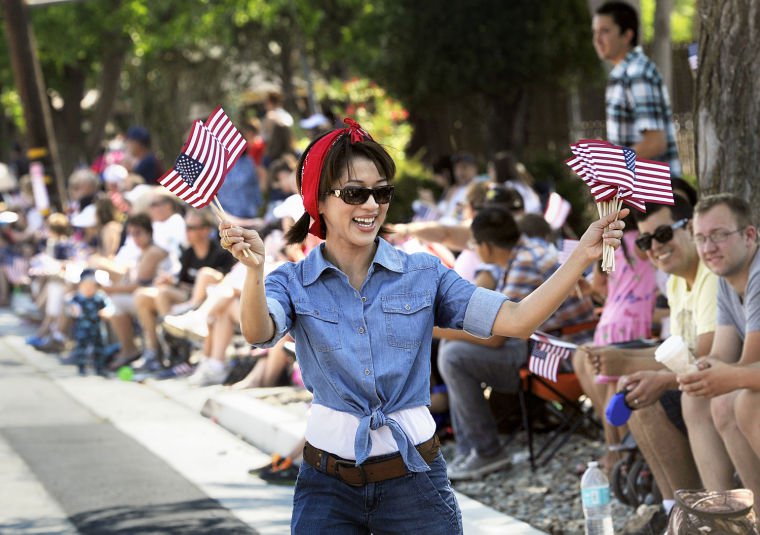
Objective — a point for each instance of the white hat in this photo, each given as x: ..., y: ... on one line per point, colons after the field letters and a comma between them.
x: 115, y: 173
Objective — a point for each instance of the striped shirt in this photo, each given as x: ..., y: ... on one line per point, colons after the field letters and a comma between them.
x: 535, y: 260
x: 637, y: 101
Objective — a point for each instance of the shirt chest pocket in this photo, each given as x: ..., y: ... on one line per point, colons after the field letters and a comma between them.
x: 407, y: 316
x: 320, y: 326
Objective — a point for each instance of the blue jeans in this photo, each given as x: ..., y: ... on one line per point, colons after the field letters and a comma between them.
x: 421, y: 503
x: 464, y: 367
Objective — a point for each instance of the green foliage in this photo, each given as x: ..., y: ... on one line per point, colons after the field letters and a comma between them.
x: 385, y: 119
x: 11, y: 105
x: 681, y: 20
x: 471, y: 47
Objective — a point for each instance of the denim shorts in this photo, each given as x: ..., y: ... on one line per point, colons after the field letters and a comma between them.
x: 419, y: 502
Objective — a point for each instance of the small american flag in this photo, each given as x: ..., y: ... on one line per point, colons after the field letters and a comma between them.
x: 547, y: 354
x: 199, y: 170
x: 653, y: 181
x: 230, y: 137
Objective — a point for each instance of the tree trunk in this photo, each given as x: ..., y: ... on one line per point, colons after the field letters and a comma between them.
x: 662, y: 51
x: 113, y: 59
x: 68, y: 120
x: 727, y: 107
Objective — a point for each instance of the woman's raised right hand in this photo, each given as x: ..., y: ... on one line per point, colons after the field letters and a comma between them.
x: 244, y: 244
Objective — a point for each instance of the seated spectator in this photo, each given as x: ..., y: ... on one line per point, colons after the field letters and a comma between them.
x: 505, y: 169
x: 139, y: 158
x: 165, y: 211
x: 240, y: 194
x: 518, y: 266
x: 83, y: 187
x: 203, y: 263
x: 626, y: 319
x: 126, y: 279
x: 109, y: 227
x: 658, y: 423
x: 269, y: 368
x: 451, y: 204
x: 722, y: 411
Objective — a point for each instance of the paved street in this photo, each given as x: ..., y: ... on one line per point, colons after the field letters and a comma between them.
x: 91, y: 456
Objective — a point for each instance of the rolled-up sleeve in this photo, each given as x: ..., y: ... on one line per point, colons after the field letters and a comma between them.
x: 481, y: 312
x: 279, y: 305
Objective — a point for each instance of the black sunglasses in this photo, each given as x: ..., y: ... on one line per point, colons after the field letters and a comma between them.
x: 663, y: 234
x: 358, y: 195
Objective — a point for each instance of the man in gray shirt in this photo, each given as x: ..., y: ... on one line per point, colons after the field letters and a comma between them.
x: 721, y: 406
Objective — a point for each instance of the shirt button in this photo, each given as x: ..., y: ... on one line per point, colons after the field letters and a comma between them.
x: 367, y: 372
x: 407, y: 307
x: 361, y: 330
x: 364, y: 299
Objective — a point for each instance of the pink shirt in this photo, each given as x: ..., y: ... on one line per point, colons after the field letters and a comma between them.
x: 631, y: 293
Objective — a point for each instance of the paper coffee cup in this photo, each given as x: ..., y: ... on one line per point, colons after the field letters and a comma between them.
x: 674, y: 354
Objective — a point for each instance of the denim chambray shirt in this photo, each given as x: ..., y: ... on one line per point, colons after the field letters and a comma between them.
x: 367, y: 352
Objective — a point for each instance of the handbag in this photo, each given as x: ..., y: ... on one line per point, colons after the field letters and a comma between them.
x: 719, y: 512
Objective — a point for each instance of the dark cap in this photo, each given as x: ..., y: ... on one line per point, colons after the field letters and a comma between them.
x: 139, y: 134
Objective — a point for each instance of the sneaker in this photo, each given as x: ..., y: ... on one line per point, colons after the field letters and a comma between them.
x: 51, y: 345
x: 35, y: 341
x: 458, y: 459
x: 183, y: 369
x: 281, y: 471
x: 477, y: 466
x: 191, y: 324
x: 122, y: 361
x: 209, y: 372
x: 148, y: 363
x: 181, y: 308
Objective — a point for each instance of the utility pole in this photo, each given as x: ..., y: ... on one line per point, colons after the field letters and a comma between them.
x: 42, y: 144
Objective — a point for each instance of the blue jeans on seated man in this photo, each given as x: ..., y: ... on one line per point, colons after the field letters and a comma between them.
x: 464, y: 367
x: 421, y: 503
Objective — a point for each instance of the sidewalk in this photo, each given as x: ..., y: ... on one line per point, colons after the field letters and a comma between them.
x: 165, y: 416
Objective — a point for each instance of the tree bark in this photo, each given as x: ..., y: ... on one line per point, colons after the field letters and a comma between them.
x: 727, y: 106
x: 113, y: 60
x: 662, y: 50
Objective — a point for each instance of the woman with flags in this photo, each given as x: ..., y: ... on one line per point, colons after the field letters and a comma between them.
x: 361, y: 313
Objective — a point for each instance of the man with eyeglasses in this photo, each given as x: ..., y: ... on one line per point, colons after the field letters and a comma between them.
x: 657, y: 423
x: 724, y: 395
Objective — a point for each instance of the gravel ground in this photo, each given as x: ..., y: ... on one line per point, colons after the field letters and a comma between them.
x: 549, y: 498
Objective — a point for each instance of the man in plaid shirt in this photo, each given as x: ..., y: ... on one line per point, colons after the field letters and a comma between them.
x: 515, y: 265
x: 638, y: 107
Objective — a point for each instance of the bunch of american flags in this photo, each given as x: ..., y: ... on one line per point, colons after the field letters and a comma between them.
x: 211, y: 149
x: 547, y: 354
x: 616, y: 175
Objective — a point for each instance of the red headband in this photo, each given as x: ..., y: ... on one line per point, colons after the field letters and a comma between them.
x: 312, y: 169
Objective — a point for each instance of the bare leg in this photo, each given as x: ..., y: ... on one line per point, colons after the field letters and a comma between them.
x: 714, y: 464
x: 166, y: 297
x: 740, y: 451
x: 599, y: 394
x: 666, y: 450
x: 205, y: 278
x: 145, y: 303
x: 223, y: 329
x: 122, y: 328
x: 745, y: 407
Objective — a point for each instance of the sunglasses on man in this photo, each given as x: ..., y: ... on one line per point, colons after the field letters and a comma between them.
x: 359, y: 195
x: 663, y: 234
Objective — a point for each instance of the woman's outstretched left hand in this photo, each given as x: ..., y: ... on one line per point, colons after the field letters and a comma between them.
x: 607, y: 230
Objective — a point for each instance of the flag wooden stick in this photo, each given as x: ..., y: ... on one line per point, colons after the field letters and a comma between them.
x: 221, y: 215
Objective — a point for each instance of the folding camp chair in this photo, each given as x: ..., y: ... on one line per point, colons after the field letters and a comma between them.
x: 562, y: 400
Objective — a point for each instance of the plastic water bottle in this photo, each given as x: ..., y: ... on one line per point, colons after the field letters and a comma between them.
x: 595, y: 495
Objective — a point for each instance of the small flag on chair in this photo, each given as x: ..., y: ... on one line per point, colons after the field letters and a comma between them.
x: 547, y: 354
